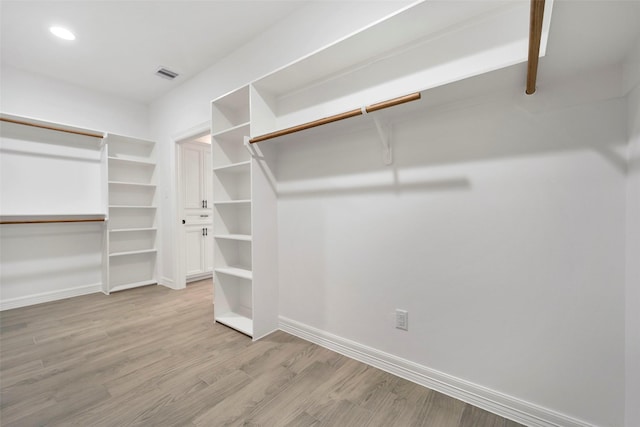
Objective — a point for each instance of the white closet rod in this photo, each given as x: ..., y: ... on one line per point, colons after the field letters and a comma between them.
x: 346, y: 115
x: 76, y: 132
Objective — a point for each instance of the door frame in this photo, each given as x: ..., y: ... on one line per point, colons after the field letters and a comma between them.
x: 180, y: 267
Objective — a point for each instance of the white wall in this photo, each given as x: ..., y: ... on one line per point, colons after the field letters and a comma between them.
x: 189, y: 105
x: 49, y: 173
x: 499, y: 227
x: 32, y: 95
x: 46, y: 262
x: 632, y: 308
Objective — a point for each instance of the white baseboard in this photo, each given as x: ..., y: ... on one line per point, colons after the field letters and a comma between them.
x: 165, y: 281
x: 26, y: 300
x: 199, y: 277
x: 498, y: 403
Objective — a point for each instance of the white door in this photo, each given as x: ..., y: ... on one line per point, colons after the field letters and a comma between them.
x: 196, y: 208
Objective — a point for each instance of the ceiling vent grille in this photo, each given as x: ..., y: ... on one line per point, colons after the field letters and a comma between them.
x: 166, y: 74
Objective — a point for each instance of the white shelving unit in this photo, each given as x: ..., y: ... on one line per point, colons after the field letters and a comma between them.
x: 131, y: 245
x: 239, y: 285
x: 392, y: 58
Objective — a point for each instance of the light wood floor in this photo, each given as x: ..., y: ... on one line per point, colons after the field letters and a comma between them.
x: 152, y: 356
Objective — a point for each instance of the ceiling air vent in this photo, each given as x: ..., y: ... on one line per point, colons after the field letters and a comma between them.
x: 166, y: 74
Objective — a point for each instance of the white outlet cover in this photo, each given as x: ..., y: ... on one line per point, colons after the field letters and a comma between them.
x: 402, y: 319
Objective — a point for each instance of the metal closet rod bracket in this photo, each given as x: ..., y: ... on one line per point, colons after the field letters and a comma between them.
x: 384, y: 132
x: 253, y: 150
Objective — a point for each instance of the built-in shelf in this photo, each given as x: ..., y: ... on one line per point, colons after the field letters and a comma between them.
x: 123, y: 230
x: 232, y: 202
x: 143, y: 251
x: 241, y: 237
x: 393, y: 58
x: 243, y: 273
x: 138, y: 184
x: 246, y: 291
x: 132, y: 207
x: 132, y: 199
x: 241, y: 129
x: 239, y: 167
x: 130, y: 160
x: 236, y: 321
x: 133, y: 285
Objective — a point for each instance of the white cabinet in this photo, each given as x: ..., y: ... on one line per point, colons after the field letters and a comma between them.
x: 245, y: 292
x: 198, y: 250
x: 131, y: 245
x: 196, y: 172
x: 197, y: 206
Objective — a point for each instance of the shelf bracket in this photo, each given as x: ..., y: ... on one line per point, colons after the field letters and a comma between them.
x: 248, y: 146
x: 384, y: 132
x: 253, y: 150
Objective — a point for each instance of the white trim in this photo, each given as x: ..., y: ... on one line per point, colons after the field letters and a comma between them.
x: 166, y: 282
x: 177, y: 235
x: 40, y: 298
x: 493, y: 401
x: 193, y: 132
x: 200, y: 276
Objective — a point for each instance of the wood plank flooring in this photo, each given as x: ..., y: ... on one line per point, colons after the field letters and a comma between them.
x: 153, y: 357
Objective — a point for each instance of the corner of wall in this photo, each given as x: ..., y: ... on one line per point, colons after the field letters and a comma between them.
x: 632, y: 288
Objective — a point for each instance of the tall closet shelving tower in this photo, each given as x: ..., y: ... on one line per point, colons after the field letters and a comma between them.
x: 131, y: 244
x: 245, y: 263
x: 367, y: 72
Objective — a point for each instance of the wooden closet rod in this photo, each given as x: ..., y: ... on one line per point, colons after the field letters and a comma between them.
x: 76, y: 132
x: 535, y: 34
x: 346, y: 115
x: 48, y: 221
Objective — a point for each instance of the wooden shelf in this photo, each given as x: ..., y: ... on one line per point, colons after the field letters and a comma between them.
x: 243, y: 273
x: 143, y: 251
x: 241, y: 237
x: 236, y: 321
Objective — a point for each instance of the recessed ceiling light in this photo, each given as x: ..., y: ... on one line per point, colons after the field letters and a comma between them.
x: 63, y: 33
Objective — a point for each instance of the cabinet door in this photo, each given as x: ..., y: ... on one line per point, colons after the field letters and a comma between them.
x: 208, y: 250
x: 193, y: 177
x: 194, y: 252
x: 207, y: 177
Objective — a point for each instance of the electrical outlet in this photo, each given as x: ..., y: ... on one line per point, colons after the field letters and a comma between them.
x: 402, y: 319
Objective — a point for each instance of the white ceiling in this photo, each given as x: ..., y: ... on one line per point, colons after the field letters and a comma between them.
x: 120, y: 44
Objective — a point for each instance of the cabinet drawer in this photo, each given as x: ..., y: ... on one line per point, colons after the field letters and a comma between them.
x: 204, y: 218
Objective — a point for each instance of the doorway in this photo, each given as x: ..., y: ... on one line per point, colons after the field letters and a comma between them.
x: 194, y: 209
